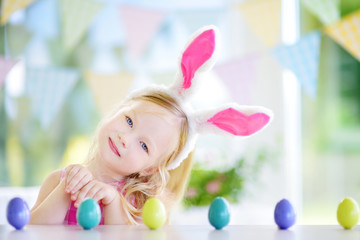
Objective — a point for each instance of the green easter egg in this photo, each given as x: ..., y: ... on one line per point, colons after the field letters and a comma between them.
x: 88, y: 214
x: 348, y: 213
x: 154, y: 213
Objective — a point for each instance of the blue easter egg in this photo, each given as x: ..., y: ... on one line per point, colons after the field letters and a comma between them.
x: 284, y: 214
x: 88, y: 214
x: 18, y: 213
x: 219, y: 215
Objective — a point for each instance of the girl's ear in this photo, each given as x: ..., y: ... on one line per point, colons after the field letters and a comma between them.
x: 148, y: 171
x: 198, y: 56
x: 234, y: 120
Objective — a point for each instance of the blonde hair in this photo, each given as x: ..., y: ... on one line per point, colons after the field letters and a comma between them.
x: 169, y: 186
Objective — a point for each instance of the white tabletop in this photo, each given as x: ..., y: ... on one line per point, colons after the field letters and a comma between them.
x: 178, y: 232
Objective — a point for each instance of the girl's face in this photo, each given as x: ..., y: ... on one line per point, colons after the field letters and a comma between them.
x: 137, y: 137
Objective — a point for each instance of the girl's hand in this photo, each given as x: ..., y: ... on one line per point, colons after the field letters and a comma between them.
x: 96, y: 190
x: 77, y: 176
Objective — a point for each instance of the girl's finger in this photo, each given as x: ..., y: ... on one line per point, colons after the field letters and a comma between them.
x: 70, y: 171
x: 79, y: 184
x: 74, y: 181
x: 93, y: 192
x: 74, y: 196
x: 83, y: 193
x: 106, y: 195
x: 70, y: 174
x: 105, y: 199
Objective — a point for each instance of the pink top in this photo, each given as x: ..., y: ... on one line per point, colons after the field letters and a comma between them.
x: 70, y: 218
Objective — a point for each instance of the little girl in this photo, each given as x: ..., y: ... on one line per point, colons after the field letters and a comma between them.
x: 143, y: 148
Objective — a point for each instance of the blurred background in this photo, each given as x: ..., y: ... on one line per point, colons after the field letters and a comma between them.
x: 65, y: 63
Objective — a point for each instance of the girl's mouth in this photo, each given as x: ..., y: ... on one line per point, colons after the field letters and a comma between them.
x: 113, y: 147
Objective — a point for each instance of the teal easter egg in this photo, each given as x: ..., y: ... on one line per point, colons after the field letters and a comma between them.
x: 88, y: 214
x: 219, y: 215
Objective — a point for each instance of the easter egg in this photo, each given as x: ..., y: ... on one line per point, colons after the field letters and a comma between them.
x: 348, y: 213
x: 219, y: 215
x: 284, y: 214
x: 88, y: 214
x: 18, y: 213
x: 154, y: 213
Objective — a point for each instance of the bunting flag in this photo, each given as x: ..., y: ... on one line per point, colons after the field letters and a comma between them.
x: 42, y: 19
x: 196, y: 18
x: 8, y: 7
x: 77, y: 16
x: 108, y: 90
x: 263, y: 17
x: 239, y: 76
x: 5, y: 67
x: 140, y: 26
x: 107, y: 30
x: 48, y: 89
x: 17, y: 39
x: 302, y: 59
x: 328, y: 11
x: 347, y: 33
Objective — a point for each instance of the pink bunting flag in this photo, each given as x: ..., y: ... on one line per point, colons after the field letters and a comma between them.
x: 5, y: 67
x: 140, y: 25
x: 239, y: 76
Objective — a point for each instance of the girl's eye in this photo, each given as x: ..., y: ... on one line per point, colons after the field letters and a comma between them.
x: 129, y: 121
x: 143, y: 145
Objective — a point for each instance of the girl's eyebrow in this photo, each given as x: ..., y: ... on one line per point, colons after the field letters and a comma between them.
x: 148, y: 140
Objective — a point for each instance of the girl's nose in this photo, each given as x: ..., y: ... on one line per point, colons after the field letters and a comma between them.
x: 122, y: 141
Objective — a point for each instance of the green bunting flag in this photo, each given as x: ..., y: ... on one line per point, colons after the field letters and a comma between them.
x: 77, y: 16
x: 328, y: 11
x: 48, y: 89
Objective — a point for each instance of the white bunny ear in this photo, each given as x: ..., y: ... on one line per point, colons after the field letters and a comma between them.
x: 234, y: 120
x: 198, y: 56
x: 230, y: 119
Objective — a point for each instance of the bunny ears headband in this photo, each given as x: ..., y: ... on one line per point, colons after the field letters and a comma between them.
x: 231, y: 119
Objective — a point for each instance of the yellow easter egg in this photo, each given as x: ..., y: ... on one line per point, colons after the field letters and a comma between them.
x: 348, y: 213
x: 154, y: 213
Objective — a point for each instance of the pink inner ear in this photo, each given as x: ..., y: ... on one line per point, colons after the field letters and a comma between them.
x: 239, y: 124
x: 196, y: 54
